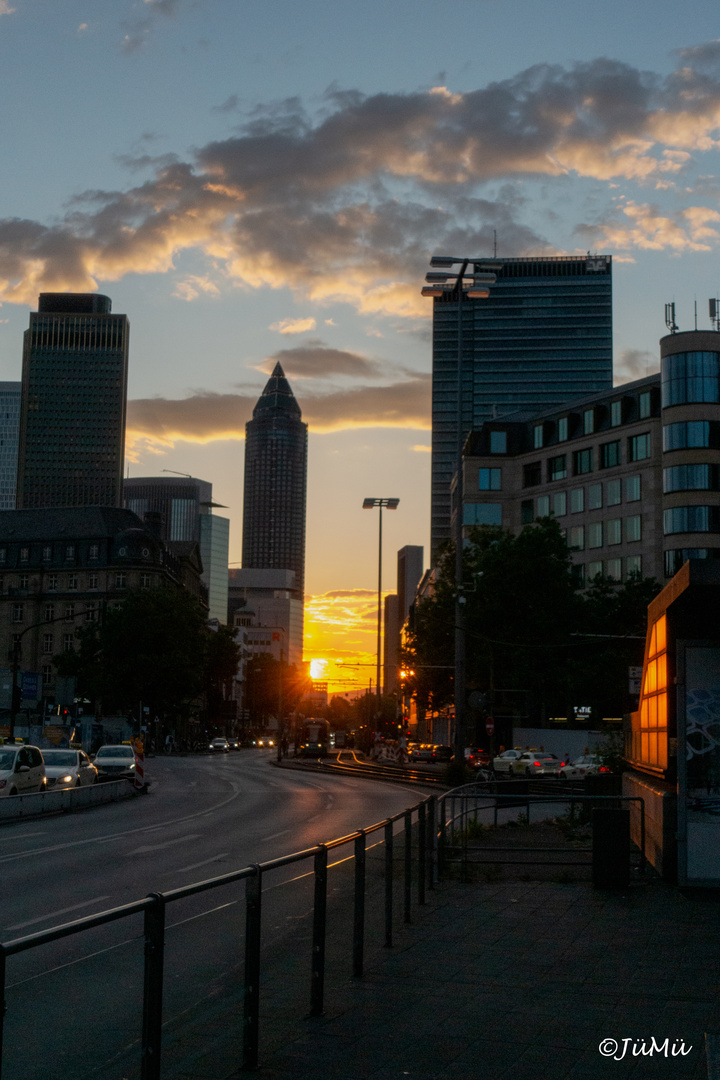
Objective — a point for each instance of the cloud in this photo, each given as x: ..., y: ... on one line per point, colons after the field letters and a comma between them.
x: 634, y: 364
x: 294, y: 326
x: 5, y: 8
x: 346, y: 205
x: 205, y: 417
x: 192, y: 286
x: 315, y: 359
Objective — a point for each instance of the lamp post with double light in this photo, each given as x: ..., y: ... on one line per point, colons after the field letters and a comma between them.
x: 387, y: 504
x: 471, y: 281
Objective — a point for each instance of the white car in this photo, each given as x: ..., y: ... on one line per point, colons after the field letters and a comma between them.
x: 536, y: 763
x: 582, y: 766
x: 505, y: 761
x: 116, y: 762
x: 22, y: 770
x: 220, y: 745
x: 68, y: 768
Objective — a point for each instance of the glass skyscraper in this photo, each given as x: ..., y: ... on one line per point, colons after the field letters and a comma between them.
x: 9, y: 441
x: 74, y: 393
x: 543, y: 336
x: 275, y: 483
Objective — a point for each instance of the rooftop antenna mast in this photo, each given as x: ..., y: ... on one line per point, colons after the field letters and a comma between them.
x: 189, y: 475
x: 714, y: 309
x: 670, y: 318
x: 494, y: 243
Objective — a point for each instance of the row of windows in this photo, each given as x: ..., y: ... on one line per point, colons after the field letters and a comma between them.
x: 690, y: 377
x: 609, y: 456
x: 51, y: 582
x: 70, y: 611
x: 688, y: 519
x: 674, y: 559
x: 615, y: 569
x: 691, y: 478
x: 591, y: 419
x: 691, y: 434
x: 67, y: 552
x: 606, y: 533
x: 577, y: 500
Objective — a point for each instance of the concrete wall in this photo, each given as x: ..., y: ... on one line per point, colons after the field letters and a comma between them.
x: 660, y: 821
x: 557, y: 742
x: 15, y: 807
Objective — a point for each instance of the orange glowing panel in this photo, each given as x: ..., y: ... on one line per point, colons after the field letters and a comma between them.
x: 661, y: 671
x: 653, y: 641
x: 652, y: 676
x: 661, y: 635
x: 644, y: 713
x: 652, y: 712
x: 662, y: 710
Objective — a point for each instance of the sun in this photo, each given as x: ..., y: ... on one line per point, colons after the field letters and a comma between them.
x: 318, y: 668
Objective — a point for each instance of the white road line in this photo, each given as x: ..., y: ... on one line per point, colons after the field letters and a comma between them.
x: 22, y: 836
x: 54, y: 914
x: 195, y: 866
x: 274, y: 836
x: 159, y: 847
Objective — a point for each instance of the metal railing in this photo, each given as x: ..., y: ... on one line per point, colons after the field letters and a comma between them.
x: 154, y: 906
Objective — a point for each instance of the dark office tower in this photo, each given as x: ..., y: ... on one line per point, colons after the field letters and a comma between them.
x: 543, y: 336
x: 275, y: 483
x: 72, y: 415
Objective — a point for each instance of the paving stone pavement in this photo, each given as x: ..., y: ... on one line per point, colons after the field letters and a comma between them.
x: 510, y: 981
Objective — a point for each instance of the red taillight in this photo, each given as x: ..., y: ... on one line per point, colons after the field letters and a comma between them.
x: 603, y: 768
x: 536, y: 764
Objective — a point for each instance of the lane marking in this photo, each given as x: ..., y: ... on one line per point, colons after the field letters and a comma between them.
x: 195, y: 866
x: 54, y: 914
x: 274, y: 836
x: 160, y: 847
x: 23, y: 836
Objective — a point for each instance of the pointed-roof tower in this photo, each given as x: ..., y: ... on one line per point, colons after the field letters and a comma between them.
x: 277, y: 397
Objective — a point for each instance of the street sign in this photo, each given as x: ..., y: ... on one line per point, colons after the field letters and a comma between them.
x: 489, y: 726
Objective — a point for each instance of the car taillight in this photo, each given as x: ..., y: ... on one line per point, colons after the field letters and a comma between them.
x: 603, y: 768
x: 537, y: 763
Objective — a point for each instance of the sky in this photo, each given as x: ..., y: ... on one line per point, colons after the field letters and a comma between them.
x: 260, y: 182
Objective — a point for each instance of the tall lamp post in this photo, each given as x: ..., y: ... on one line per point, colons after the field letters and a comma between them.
x: 471, y: 282
x: 387, y: 504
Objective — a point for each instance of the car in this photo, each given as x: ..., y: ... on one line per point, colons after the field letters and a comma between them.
x: 443, y: 753
x: 475, y: 758
x: 536, y: 763
x: 234, y: 744
x: 22, y: 770
x: 115, y: 762
x: 583, y: 766
x: 423, y: 752
x: 220, y: 745
x: 265, y: 740
x: 68, y: 768
x: 504, y: 762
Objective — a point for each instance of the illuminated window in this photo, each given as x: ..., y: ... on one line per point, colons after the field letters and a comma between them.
x: 650, y: 739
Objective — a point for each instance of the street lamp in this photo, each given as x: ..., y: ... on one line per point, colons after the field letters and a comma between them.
x: 471, y: 281
x: 388, y: 504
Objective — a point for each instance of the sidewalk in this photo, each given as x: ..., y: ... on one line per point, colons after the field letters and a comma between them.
x: 516, y: 980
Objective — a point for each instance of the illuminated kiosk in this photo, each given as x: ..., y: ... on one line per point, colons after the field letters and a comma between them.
x: 672, y: 743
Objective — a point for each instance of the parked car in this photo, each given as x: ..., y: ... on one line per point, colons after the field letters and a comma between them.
x: 68, y: 768
x: 443, y: 753
x: 219, y: 746
x: 475, y: 758
x: 423, y: 752
x: 536, y: 763
x: 115, y: 762
x: 22, y: 770
x: 582, y: 766
x: 504, y: 762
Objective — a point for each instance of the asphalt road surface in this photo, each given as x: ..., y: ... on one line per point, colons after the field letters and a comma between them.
x: 74, y: 1006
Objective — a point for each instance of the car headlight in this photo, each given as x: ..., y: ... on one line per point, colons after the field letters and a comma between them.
x: 66, y: 779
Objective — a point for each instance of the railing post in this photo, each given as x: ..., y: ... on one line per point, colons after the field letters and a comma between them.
x: 359, y: 909
x: 253, y: 929
x: 388, y: 884
x: 317, y: 982
x: 3, y: 1003
x: 431, y: 842
x: 153, y: 988
x: 407, y: 899
x: 421, y: 853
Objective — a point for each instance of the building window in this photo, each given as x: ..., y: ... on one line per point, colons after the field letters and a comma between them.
x: 3, y: 555
x: 583, y: 461
x: 688, y: 519
x: 690, y: 377
x: 588, y: 421
x: 69, y: 551
x: 610, y: 455
x: 613, y: 493
x: 675, y: 559
x: 650, y: 740
x: 639, y: 447
x: 481, y: 514
x: 91, y: 612
x: 577, y: 537
x: 144, y: 581
x: 24, y: 554
x: 68, y: 642
x: 562, y: 429
x: 543, y: 506
x: 613, y: 531
x: 498, y: 442
x: 47, y: 553
x: 47, y: 674
x: 120, y: 581
x: 645, y: 404
x: 489, y: 479
x: 92, y: 581
x: 578, y: 575
x: 633, y: 566
x: 615, y: 413
x: 633, y: 528
x: 72, y: 581
x: 538, y: 436
x: 23, y: 581
x: 595, y: 535
x: 93, y: 551
x: 594, y: 570
x: 47, y: 644
x: 614, y: 569
x: 69, y: 612
x: 595, y: 498
x: 632, y: 488
x: 18, y: 612
x: 559, y: 504
x: 577, y: 500
x: 532, y: 474
x: 691, y: 478
x: 52, y: 581
x: 49, y: 612
x: 687, y: 435
x: 557, y: 467
x: 526, y: 512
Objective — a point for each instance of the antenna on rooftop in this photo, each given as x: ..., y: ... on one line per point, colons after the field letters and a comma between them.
x: 714, y: 309
x: 670, y: 318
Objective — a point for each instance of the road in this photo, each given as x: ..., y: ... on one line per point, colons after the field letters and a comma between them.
x: 204, y: 816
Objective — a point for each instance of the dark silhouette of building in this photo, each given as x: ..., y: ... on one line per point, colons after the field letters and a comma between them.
x: 543, y: 336
x: 74, y: 393
x: 275, y: 483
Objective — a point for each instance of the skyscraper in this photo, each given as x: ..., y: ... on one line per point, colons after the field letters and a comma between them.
x: 543, y: 336
x: 275, y: 483
x: 9, y: 439
x: 74, y: 391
